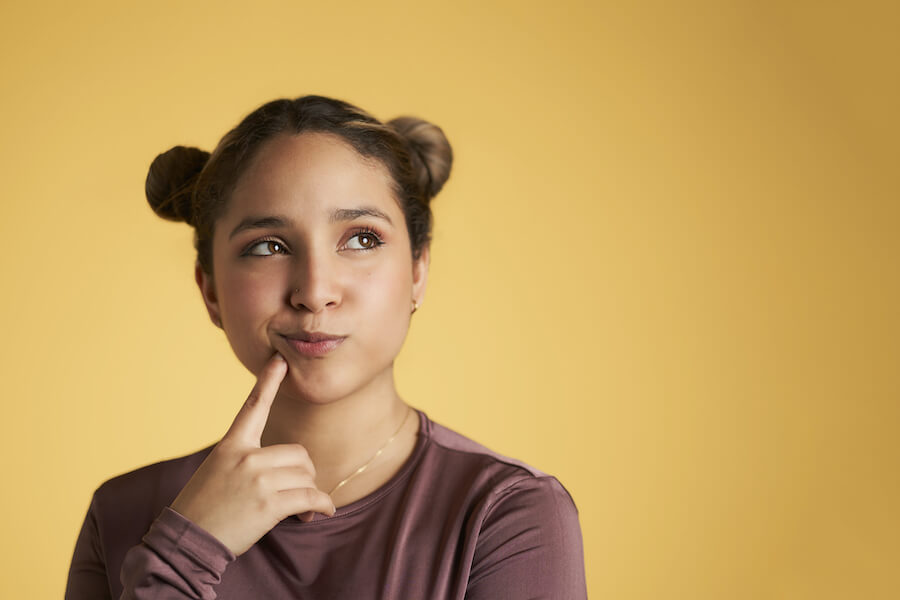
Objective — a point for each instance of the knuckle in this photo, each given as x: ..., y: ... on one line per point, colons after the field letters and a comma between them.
x: 302, y: 452
x: 253, y: 399
x: 303, y: 479
x: 303, y: 459
x: 264, y: 505
x: 261, y: 481
x: 248, y: 462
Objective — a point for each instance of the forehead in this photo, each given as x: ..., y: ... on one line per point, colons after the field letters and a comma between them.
x: 309, y: 176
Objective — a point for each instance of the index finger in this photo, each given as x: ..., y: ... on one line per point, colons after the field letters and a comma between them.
x: 250, y: 421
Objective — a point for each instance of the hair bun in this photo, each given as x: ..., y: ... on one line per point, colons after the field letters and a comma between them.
x: 170, y: 182
x: 431, y: 153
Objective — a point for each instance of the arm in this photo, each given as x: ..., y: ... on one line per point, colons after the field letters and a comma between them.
x: 237, y: 494
x: 87, y: 573
x: 529, y: 545
x: 176, y: 559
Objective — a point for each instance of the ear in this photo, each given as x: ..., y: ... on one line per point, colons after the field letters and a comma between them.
x: 208, y: 291
x: 420, y: 274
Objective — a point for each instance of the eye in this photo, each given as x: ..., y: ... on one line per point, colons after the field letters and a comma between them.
x: 265, y: 248
x: 365, y: 240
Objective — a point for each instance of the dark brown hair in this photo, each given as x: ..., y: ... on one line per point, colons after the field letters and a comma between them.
x: 191, y: 185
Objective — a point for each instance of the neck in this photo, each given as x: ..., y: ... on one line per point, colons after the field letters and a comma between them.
x: 340, y: 435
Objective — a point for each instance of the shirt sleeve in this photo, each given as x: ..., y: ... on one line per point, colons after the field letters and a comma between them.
x: 529, y: 545
x: 87, y: 573
x: 176, y: 559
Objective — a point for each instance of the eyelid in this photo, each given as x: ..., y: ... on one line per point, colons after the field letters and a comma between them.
x: 379, y: 239
x: 258, y: 241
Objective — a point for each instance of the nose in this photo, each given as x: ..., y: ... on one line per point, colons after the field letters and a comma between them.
x: 315, y: 285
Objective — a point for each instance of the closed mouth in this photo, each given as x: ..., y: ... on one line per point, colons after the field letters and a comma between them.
x: 310, y: 336
x: 317, y: 346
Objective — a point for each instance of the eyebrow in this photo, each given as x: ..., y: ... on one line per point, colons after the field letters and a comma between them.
x: 259, y: 223
x: 280, y: 222
x: 349, y: 214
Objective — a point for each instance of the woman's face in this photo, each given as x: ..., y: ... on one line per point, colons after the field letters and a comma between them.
x: 311, y: 214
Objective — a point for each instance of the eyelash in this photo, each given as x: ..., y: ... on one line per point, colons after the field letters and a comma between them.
x: 365, y: 231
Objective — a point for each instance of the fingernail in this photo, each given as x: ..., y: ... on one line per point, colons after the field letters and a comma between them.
x: 279, y: 357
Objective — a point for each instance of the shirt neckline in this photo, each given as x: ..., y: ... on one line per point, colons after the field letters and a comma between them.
x: 423, y: 436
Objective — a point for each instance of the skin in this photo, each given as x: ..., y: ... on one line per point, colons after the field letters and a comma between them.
x: 309, y: 421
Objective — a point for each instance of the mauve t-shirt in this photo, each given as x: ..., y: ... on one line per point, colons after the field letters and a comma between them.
x: 457, y: 521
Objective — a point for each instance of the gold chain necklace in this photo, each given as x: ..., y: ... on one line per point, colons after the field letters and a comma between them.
x: 376, y: 455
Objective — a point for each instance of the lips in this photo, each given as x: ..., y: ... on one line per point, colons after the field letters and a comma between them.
x: 308, y: 343
x: 312, y: 336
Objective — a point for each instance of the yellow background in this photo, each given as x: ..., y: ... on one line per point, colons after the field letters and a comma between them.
x: 665, y: 267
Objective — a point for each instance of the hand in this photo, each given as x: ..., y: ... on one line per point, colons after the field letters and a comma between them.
x: 241, y: 491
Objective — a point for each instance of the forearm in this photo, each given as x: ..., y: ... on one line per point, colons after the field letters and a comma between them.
x: 176, y: 559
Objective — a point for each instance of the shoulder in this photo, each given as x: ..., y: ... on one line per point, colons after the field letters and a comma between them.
x: 124, y: 507
x: 139, y: 495
x: 490, y: 479
x: 157, y: 479
x: 523, y: 522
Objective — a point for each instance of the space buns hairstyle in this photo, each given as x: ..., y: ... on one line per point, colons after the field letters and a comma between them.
x: 191, y: 185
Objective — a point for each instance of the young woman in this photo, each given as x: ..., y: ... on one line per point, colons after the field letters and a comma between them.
x: 312, y: 228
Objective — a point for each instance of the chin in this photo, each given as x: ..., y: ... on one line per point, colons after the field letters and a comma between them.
x: 321, y: 385
x: 312, y: 392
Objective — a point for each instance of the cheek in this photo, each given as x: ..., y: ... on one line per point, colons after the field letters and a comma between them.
x: 386, y: 289
x: 243, y: 296
x: 384, y: 299
x: 246, y: 303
